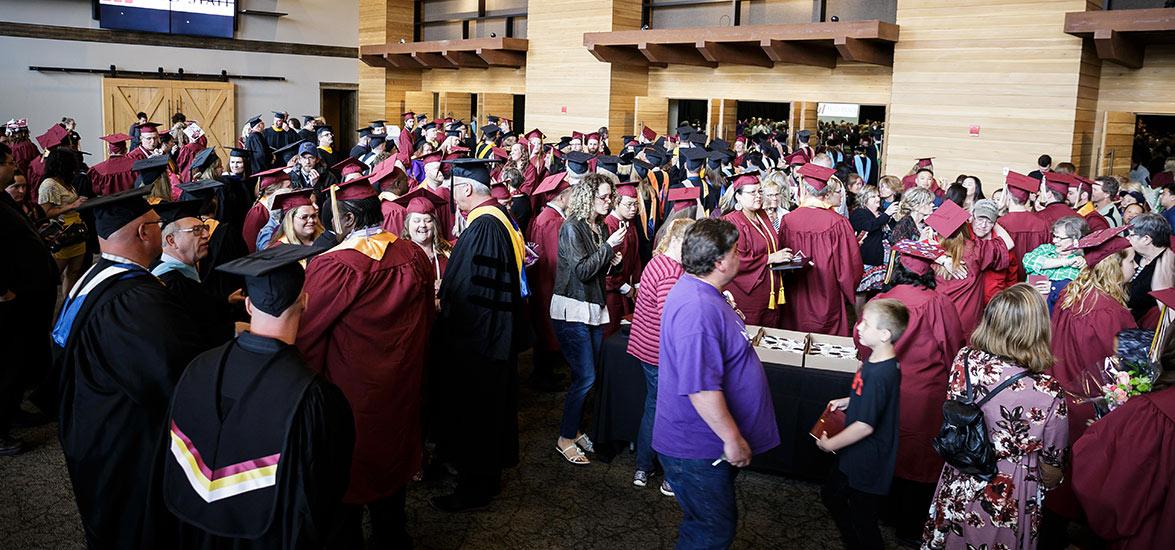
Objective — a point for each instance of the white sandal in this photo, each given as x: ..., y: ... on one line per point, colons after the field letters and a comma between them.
x: 585, y: 443
x: 577, y: 457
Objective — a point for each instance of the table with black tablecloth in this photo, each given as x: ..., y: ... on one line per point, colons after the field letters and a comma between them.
x: 799, y: 394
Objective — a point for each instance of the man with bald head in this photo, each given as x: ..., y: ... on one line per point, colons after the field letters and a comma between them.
x: 122, y: 341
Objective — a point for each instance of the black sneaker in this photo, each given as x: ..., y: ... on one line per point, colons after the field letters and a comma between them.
x: 640, y: 478
x: 10, y: 446
x: 666, y: 489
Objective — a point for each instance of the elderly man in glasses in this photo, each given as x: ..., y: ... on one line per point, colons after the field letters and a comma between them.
x: 185, y: 243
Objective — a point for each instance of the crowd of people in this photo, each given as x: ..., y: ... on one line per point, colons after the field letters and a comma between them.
x: 251, y: 350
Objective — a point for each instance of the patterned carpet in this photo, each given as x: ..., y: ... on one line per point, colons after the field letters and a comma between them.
x: 546, y: 502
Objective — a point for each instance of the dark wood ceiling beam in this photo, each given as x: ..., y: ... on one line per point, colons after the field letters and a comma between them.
x: 433, y: 60
x: 1118, y: 47
x: 798, y: 53
x: 403, y: 61
x: 733, y: 54
x: 465, y: 60
x: 621, y: 55
x: 502, y: 58
x: 675, y: 54
x: 864, y: 51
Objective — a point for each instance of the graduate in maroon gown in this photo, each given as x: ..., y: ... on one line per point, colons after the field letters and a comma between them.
x: 757, y: 289
x: 925, y: 351
x: 434, y: 180
x: 1027, y: 229
x: 961, y: 279
x: 1090, y: 312
x: 620, y: 284
x: 1080, y: 189
x: 113, y: 174
x: 269, y: 182
x: 366, y: 329
x: 818, y: 295
x: 187, y: 154
x: 23, y: 149
x: 544, y: 233
x: 1056, y: 189
x: 1122, y: 468
x: 392, y: 184
x: 149, y: 141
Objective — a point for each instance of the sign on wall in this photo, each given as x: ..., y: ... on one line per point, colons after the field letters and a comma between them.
x: 191, y: 17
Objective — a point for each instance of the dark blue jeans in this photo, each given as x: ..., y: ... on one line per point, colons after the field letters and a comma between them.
x: 706, y: 496
x: 644, y: 438
x: 580, y: 344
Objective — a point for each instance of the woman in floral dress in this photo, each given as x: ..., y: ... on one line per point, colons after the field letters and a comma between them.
x: 1026, y: 424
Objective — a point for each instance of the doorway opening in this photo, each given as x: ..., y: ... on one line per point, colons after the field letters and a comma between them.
x: 519, y: 126
x: 1154, y: 143
x: 339, y: 106
x: 761, y: 117
x: 687, y: 111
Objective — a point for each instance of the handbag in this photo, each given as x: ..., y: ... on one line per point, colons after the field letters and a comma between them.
x: 58, y: 235
x: 963, y: 441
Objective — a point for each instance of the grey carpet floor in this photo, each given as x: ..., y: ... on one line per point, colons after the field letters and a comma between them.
x: 545, y: 503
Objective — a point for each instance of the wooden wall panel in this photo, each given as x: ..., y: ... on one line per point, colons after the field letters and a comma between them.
x: 420, y: 103
x: 803, y: 116
x: 1117, y: 143
x: 381, y: 91
x: 458, y: 105
x: 500, y: 105
x: 1148, y: 90
x: 501, y: 80
x: 848, y: 83
x: 1004, y: 65
x: 727, y: 120
x: 652, y: 112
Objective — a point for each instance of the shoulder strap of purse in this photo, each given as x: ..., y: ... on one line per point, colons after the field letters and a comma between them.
x: 1011, y: 380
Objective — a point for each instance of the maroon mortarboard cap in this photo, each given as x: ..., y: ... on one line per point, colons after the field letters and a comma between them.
x: 354, y: 190
x: 1166, y: 296
x: 273, y: 176
x: 750, y: 177
x: 149, y: 128
x: 53, y: 136
x: 923, y: 163
x: 1102, y: 244
x: 383, y: 172
x: 673, y: 138
x: 435, y: 156
x: 815, y: 175
x: 685, y: 194
x: 626, y: 190
x: 1059, y: 182
x: 349, y: 165
x: 536, y: 133
x: 499, y: 191
x: 577, y: 135
x: 918, y: 256
x: 501, y: 153
x: 648, y: 133
x: 115, y: 138
x: 1021, y: 186
x: 592, y: 136
x: 293, y: 199
x: 408, y: 115
x: 1084, y: 184
x: 740, y: 138
x: 554, y: 183
x: 420, y: 194
x: 948, y: 218
x: 796, y: 158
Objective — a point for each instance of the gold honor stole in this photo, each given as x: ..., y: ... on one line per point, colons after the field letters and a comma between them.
x: 373, y: 247
x: 764, y: 232
x: 1086, y: 210
x: 516, y: 240
x: 226, y: 482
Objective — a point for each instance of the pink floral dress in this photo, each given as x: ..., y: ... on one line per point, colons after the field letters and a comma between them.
x: 1027, y: 426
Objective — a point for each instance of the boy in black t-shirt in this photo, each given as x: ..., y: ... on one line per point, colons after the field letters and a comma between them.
x: 868, y: 445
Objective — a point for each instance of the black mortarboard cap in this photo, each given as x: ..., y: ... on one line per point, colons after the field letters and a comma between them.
x: 695, y: 157
x: 308, y: 118
x: 490, y: 130
x: 203, y: 160
x: 112, y: 212
x: 471, y: 168
x: 286, y: 153
x: 238, y: 152
x: 273, y: 277
x: 364, y: 131
x: 719, y: 144
x: 455, y: 131
x: 609, y: 163
x: 281, y: 115
x: 323, y: 128
x: 149, y: 169
x: 698, y: 138
x: 378, y: 123
x: 715, y: 159
x: 377, y: 140
x: 169, y: 212
x: 684, y: 131
x: 577, y: 161
x: 253, y: 121
x: 201, y: 189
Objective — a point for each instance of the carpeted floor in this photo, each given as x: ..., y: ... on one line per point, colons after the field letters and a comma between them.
x: 546, y: 502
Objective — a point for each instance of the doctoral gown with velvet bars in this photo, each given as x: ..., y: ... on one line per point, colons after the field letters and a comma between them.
x: 628, y: 272
x: 967, y: 293
x: 818, y: 294
x: 1123, y: 477
x: 752, y: 286
x: 544, y: 233
x: 925, y: 351
x: 366, y: 329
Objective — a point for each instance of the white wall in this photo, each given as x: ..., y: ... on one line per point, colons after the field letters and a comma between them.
x: 43, y: 98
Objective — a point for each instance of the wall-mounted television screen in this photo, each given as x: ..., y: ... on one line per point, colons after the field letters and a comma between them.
x: 191, y: 17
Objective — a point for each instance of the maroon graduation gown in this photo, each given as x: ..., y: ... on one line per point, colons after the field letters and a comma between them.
x: 138, y: 153
x: 366, y: 329
x: 23, y: 153
x: 818, y: 294
x: 1083, y: 337
x: 544, y: 233
x: 186, y: 155
x: 1054, y: 212
x: 1096, y: 221
x: 444, y: 214
x: 112, y: 175
x: 967, y: 293
x: 925, y: 352
x: 1123, y: 477
x: 1028, y: 231
x: 255, y: 220
x: 629, y: 273
x: 394, y: 216
x: 754, y: 284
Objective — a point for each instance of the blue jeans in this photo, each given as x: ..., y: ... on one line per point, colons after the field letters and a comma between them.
x: 706, y: 496
x: 644, y: 438
x: 580, y: 344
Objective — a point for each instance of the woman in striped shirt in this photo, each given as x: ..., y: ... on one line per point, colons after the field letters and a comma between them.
x: 644, y: 342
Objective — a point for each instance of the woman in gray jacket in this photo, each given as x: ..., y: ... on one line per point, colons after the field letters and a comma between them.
x: 578, y: 313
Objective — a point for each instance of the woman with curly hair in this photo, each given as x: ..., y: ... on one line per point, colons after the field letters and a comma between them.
x: 578, y: 309
x: 1025, y: 424
x: 777, y: 196
x: 914, y: 208
x: 61, y: 201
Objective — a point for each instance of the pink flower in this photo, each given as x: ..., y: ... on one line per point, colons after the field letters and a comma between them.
x: 1122, y: 378
x: 1120, y: 395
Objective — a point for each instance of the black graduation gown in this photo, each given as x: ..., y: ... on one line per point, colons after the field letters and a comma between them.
x: 260, y: 155
x: 264, y: 401
x: 479, y: 332
x: 359, y: 150
x: 122, y: 355
x: 520, y: 210
x: 213, y: 317
x: 224, y: 245
x: 307, y: 135
x: 277, y: 140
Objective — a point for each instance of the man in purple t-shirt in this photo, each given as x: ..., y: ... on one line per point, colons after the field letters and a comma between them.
x: 714, y: 408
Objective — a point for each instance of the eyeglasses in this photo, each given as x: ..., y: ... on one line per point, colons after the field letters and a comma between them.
x: 196, y: 230
x: 1059, y: 237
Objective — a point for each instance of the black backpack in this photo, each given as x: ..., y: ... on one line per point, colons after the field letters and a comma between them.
x: 963, y: 441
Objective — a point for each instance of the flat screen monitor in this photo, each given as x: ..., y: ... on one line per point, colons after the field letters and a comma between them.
x: 190, y: 17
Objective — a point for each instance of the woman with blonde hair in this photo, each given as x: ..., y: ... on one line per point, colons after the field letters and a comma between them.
x: 1025, y: 423
x: 916, y: 205
x: 889, y: 188
x: 777, y: 196
x: 961, y: 279
x: 658, y: 278
x: 578, y: 310
x: 299, y: 219
x: 420, y: 226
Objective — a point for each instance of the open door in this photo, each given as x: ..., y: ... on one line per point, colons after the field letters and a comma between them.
x: 123, y: 98
x: 212, y: 105
x: 723, y: 118
x: 804, y: 116
x: 1117, y: 144
x: 652, y: 112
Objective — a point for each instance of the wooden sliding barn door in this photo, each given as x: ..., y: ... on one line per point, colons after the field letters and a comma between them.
x: 211, y: 104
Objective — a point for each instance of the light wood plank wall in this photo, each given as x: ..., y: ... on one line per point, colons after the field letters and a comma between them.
x: 499, y: 80
x: 1005, y: 65
x: 381, y: 91
x: 499, y: 105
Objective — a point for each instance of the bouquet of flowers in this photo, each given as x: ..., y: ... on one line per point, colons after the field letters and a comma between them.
x: 1127, y: 379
